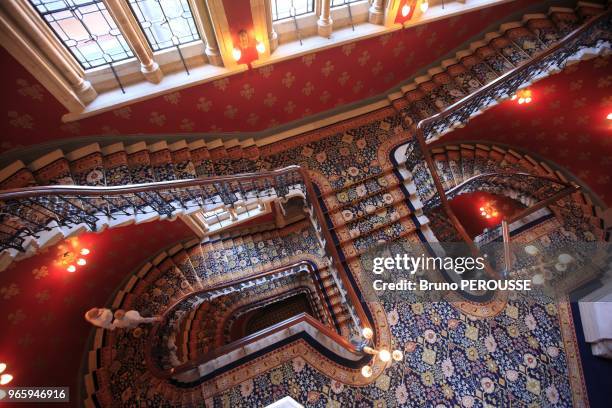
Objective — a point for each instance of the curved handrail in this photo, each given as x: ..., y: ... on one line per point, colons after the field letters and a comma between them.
x: 512, y: 75
x: 103, y: 191
x: 459, y: 186
x: 41, y: 191
x: 213, y: 288
x: 251, y: 338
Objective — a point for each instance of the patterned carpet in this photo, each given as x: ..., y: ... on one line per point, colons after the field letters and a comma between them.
x: 521, y: 357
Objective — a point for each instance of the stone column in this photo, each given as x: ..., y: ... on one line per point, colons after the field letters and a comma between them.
x: 52, y: 51
x: 272, y: 36
x: 377, y: 12
x: 324, y: 24
x: 201, y: 16
x: 135, y: 38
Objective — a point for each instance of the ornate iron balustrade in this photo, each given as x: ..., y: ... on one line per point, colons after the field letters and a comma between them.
x: 592, y: 34
x: 26, y: 213
x: 157, y: 351
x: 531, y: 187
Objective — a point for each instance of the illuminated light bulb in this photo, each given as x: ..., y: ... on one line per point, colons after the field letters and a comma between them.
x: 405, y: 10
x: 609, y: 117
x: 532, y: 250
x: 5, y: 379
x: 81, y: 261
x: 528, y: 100
x: 397, y: 355
x: 482, y: 209
x: 424, y: 6
x: 487, y: 216
x: 261, y: 47
x: 495, y: 213
x: 71, y: 268
x: 236, y: 53
x: 367, y: 333
x: 565, y: 258
x: 521, y: 101
x: 366, y: 371
x: 2, y: 367
x: 384, y: 355
x: 514, y: 97
x: 85, y: 251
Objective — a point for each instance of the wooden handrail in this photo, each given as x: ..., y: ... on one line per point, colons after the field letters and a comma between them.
x: 40, y: 191
x: 508, y: 174
x: 245, y: 341
x: 234, y: 282
x: 156, y: 371
x: 449, y: 110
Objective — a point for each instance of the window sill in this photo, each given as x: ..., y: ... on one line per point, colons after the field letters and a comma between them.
x: 178, y: 80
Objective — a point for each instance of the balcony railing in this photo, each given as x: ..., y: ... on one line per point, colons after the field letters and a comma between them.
x: 157, y: 350
x: 592, y: 34
x: 31, y: 211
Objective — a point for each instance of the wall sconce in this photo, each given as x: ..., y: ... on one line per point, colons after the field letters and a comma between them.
x: 4, y: 378
x: 243, y: 45
x: 488, y: 210
x: 72, y: 258
x: 405, y: 10
x: 424, y: 6
x: 523, y: 96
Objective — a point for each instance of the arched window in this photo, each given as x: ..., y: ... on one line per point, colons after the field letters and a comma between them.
x: 282, y: 9
x: 166, y: 23
x: 87, y: 29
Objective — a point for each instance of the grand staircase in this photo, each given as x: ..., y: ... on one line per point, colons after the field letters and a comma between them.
x: 471, y: 167
x: 372, y: 202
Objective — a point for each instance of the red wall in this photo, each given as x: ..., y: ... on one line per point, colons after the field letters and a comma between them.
x: 565, y: 123
x: 253, y: 100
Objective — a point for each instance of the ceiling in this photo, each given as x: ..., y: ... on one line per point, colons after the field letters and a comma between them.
x: 255, y: 100
x: 566, y: 123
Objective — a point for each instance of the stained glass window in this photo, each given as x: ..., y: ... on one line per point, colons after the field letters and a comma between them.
x: 166, y: 23
x: 337, y: 3
x: 87, y: 29
x: 282, y: 9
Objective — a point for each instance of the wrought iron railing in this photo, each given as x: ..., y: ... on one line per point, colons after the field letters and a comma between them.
x: 31, y: 211
x: 157, y: 351
x: 592, y: 34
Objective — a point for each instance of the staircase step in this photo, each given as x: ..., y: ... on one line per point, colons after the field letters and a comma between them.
x: 87, y: 165
x: 181, y: 158
x: 139, y: 163
x: 371, y: 203
x: 161, y: 161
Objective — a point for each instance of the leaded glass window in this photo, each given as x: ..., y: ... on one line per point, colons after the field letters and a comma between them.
x: 87, y: 29
x: 282, y: 9
x: 337, y: 3
x: 166, y: 23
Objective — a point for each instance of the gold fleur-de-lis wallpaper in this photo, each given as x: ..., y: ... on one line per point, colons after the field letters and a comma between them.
x: 32, y: 115
x: 42, y: 305
x: 566, y: 123
x: 291, y: 89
